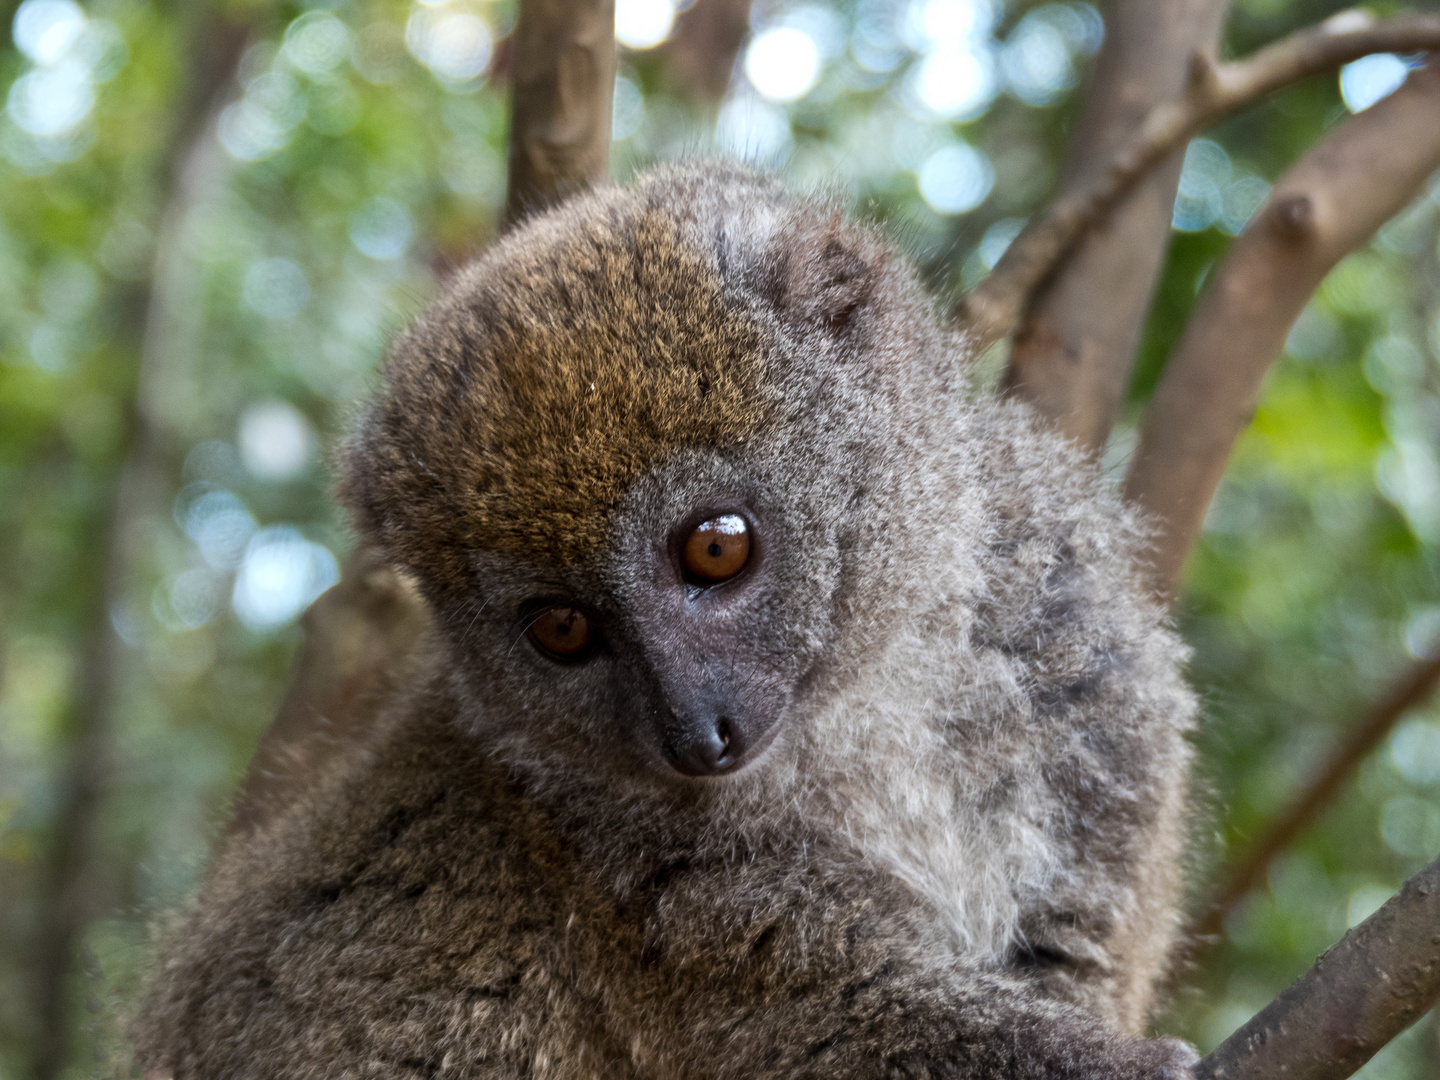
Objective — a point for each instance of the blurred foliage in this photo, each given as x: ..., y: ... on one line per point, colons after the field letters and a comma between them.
x: 356, y: 156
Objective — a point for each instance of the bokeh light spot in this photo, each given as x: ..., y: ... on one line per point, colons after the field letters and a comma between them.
x: 1415, y: 751
x: 454, y: 45
x: 382, y: 229
x: 955, y: 83
x: 1036, y: 61
x: 783, y: 64
x: 998, y: 238
x: 281, y: 575
x: 1411, y: 826
x: 628, y: 110
x: 643, y: 24
x: 379, y: 53
x: 1239, y: 201
x: 276, y: 441
x: 1367, y: 80
x: 316, y: 42
x: 51, y: 101
x: 260, y: 123
x: 189, y: 601
x: 276, y: 289
x: 1199, y: 201
x: 753, y: 129
x: 1364, y: 902
x: 44, y: 30
x: 217, y: 521
x: 939, y: 24
x: 956, y: 178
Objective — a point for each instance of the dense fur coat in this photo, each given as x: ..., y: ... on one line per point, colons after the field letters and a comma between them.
x: 957, y: 856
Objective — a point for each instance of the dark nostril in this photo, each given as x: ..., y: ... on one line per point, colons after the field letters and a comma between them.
x: 714, y: 750
x: 731, y: 741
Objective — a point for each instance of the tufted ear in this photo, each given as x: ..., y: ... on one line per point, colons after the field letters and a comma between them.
x: 824, y: 271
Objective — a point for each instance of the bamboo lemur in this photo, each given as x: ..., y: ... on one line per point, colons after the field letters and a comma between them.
x: 792, y: 710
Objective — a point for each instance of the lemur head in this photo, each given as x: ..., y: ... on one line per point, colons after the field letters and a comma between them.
x: 629, y: 458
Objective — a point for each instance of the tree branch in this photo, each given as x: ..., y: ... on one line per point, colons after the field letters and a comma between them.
x: 73, y: 888
x: 562, y: 80
x: 995, y: 306
x: 1379, y: 720
x: 1072, y: 356
x: 700, y: 56
x: 1326, y: 206
x: 1380, y: 978
x: 359, y: 639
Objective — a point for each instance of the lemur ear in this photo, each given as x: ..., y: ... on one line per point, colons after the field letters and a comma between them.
x: 825, y: 273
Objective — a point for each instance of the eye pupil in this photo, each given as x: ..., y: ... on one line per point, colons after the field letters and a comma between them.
x: 562, y: 632
x: 716, y: 550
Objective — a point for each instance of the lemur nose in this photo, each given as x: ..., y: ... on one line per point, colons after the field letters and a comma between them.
x: 712, y: 748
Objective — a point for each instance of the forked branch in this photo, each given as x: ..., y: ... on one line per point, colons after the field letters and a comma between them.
x: 993, y: 308
x: 1072, y: 356
x: 1331, y: 202
x: 1380, y: 978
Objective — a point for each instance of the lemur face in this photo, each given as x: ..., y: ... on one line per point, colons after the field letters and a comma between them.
x: 720, y: 597
x: 683, y: 644
x: 619, y: 456
x: 689, y: 664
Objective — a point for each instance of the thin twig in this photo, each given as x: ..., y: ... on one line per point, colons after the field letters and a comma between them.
x: 1417, y: 685
x: 993, y: 309
x: 1378, y: 980
x: 1327, y: 205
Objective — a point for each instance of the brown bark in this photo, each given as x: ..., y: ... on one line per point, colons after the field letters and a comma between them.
x: 1417, y: 685
x: 1072, y: 355
x: 995, y: 306
x: 359, y: 639
x: 1327, y: 205
x: 700, y: 55
x: 1381, y: 977
x: 76, y: 883
x: 562, y: 79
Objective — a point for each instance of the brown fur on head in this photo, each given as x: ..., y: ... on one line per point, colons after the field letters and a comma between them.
x: 558, y: 367
x: 560, y: 379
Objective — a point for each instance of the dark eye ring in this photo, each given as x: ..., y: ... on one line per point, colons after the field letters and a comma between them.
x: 561, y: 631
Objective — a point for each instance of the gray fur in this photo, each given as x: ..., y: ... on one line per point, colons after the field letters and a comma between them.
x: 958, y: 857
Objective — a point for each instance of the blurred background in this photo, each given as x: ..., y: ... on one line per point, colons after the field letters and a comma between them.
x: 213, y: 215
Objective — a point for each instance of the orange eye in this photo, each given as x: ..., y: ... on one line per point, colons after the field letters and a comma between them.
x: 718, y: 549
x: 561, y: 631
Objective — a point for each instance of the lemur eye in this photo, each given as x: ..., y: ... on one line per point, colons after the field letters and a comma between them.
x: 563, y: 632
x: 718, y: 549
